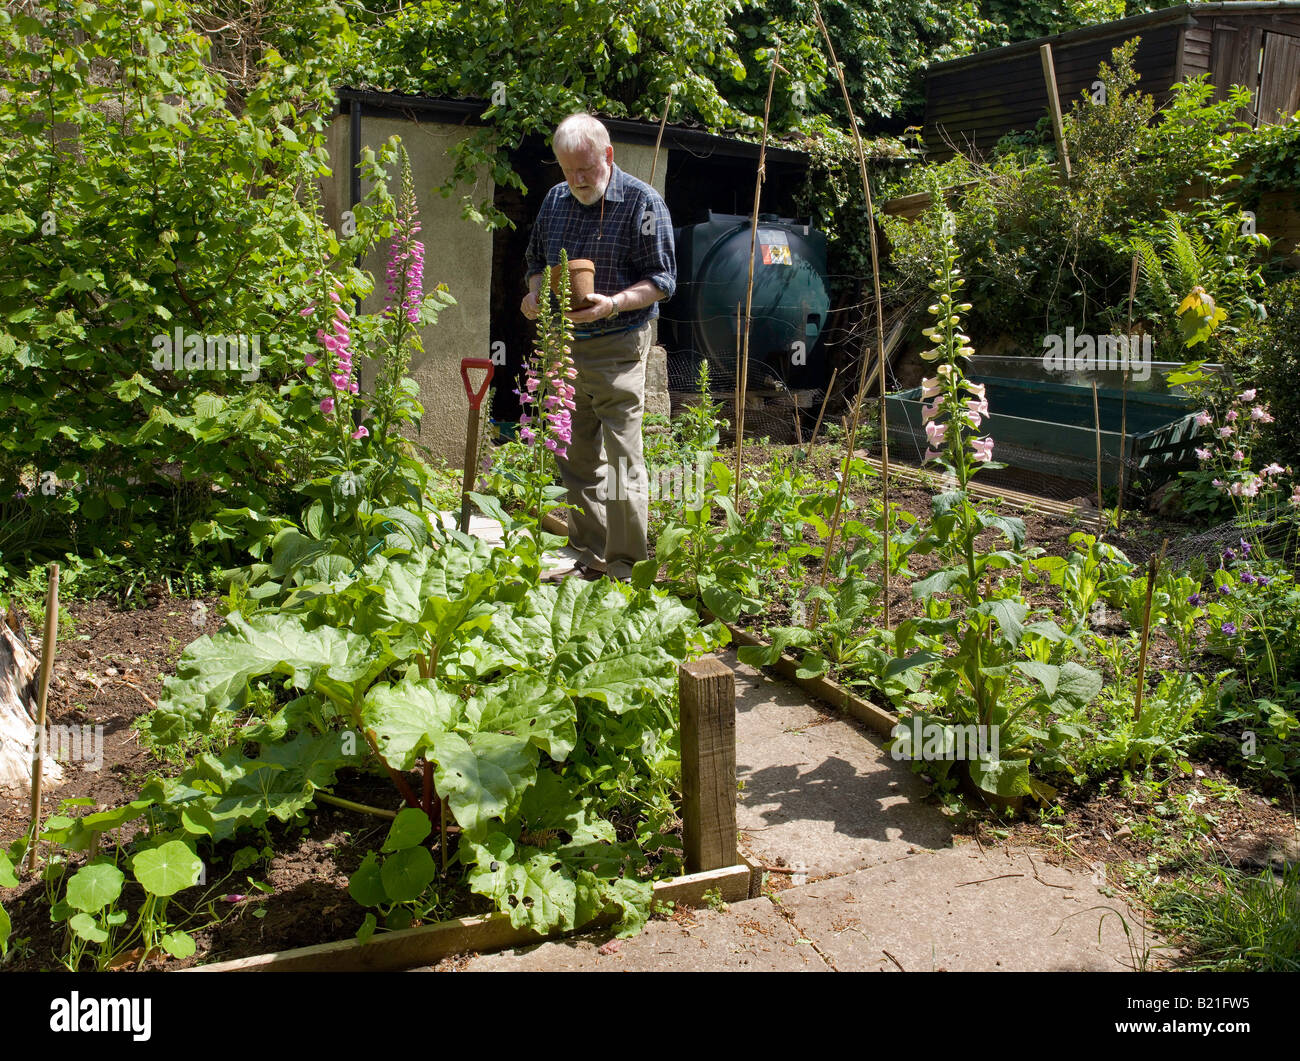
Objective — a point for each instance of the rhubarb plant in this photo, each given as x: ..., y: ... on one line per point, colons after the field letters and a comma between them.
x: 526, y: 705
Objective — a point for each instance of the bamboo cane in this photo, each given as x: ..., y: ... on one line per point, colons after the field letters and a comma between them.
x: 654, y: 161
x: 1153, y: 565
x: 851, y: 438
x: 1123, y: 401
x: 822, y: 411
x: 749, y: 290
x: 43, y: 690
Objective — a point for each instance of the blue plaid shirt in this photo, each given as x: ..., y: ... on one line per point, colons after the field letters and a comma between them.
x: 634, y: 242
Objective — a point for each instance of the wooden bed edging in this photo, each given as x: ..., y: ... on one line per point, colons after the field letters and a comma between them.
x: 829, y: 692
x: 413, y: 947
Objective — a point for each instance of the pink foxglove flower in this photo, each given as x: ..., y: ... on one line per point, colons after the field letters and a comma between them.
x: 931, y: 410
x: 361, y: 432
x: 935, y: 433
x: 327, y: 405
x: 982, y: 449
x: 931, y: 387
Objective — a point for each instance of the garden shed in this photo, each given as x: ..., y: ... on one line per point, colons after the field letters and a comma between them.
x: 697, y: 171
x: 971, y: 102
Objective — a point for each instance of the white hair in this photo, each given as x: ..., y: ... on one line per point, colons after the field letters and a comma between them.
x: 579, y: 132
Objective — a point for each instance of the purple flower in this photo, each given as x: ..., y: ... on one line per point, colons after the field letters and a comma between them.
x: 1225, y: 589
x: 1245, y: 547
x: 1247, y: 578
x: 1194, y: 599
x: 1229, y: 628
x: 1263, y: 580
x: 1229, y: 554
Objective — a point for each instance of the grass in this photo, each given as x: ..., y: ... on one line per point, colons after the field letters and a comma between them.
x: 1231, y: 921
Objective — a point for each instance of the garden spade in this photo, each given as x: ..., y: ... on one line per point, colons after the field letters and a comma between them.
x: 471, y: 432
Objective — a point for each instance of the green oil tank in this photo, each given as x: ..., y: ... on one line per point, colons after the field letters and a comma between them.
x: 790, y: 306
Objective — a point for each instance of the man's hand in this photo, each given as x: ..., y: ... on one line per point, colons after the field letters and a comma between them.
x: 529, y: 307
x: 600, y: 307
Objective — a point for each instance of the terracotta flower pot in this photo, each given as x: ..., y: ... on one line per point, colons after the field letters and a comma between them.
x: 582, y: 282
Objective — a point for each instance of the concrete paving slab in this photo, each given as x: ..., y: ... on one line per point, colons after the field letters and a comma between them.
x: 962, y: 910
x: 751, y: 936
x: 818, y: 789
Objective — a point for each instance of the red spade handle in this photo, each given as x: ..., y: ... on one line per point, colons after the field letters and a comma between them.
x: 476, y: 397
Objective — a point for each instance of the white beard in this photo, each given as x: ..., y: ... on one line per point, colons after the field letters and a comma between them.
x: 592, y: 195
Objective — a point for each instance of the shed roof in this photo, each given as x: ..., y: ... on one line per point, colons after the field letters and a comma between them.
x: 470, y: 111
x: 1183, y: 13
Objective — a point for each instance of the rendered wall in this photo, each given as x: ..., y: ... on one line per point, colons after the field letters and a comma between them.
x: 456, y: 252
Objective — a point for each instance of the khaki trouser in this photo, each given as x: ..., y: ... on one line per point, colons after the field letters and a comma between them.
x: 608, y: 493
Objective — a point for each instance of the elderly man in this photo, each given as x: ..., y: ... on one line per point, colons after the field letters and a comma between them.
x: 601, y: 213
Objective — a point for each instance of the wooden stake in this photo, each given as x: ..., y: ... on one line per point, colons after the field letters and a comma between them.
x: 1096, y: 422
x: 50, y: 636
x: 822, y: 411
x: 1054, y: 105
x: 852, y: 435
x: 1153, y: 565
x: 753, y: 245
x: 707, y: 690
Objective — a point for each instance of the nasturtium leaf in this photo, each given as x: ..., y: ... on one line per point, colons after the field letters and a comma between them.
x: 84, y: 926
x: 407, y: 873
x: 178, y: 944
x: 410, y: 827
x: 5, y: 928
x: 365, y: 885
x: 367, y: 928
x: 94, y: 887
x: 167, y: 869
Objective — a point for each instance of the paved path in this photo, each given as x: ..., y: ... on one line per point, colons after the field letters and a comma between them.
x: 882, y: 887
